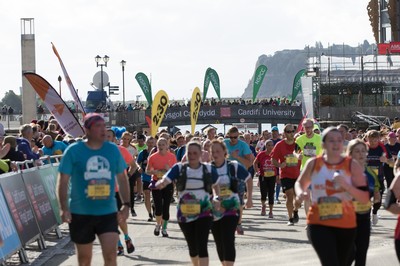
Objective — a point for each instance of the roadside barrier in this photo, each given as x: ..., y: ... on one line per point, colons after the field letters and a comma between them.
x: 28, y: 207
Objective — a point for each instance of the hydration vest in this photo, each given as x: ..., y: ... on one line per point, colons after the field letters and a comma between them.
x: 181, y: 180
x: 234, y: 182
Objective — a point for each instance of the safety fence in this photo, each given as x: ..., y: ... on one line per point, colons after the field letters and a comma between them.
x: 29, y: 208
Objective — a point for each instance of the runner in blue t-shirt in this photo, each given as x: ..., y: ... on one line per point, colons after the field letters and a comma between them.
x: 239, y: 150
x: 90, y: 169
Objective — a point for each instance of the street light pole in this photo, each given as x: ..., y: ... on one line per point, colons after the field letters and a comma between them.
x: 98, y: 60
x: 362, y: 81
x: 123, y: 63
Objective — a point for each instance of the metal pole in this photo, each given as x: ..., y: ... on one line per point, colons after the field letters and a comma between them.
x: 362, y: 81
x: 123, y: 85
x: 101, y: 70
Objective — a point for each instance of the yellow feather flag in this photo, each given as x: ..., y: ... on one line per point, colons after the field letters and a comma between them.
x: 158, y: 109
x: 195, y: 103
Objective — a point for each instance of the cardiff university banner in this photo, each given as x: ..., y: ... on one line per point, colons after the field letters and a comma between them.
x: 258, y: 79
x: 56, y: 105
x: 195, y: 103
x: 297, y: 84
x: 145, y: 85
x: 206, y: 83
x: 158, y: 109
x: 71, y: 87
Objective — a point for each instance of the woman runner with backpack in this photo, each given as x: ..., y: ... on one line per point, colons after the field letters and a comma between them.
x: 194, y: 182
x: 226, y: 201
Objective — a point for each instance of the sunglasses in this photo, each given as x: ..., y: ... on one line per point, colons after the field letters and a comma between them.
x: 235, y: 137
x: 289, y: 131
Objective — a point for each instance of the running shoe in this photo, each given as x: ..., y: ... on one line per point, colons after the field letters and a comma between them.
x: 150, y: 218
x: 270, y: 215
x: 277, y: 201
x: 375, y: 219
x: 164, y: 233
x: 157, y: 230
x: 295, y: 217
x: 291, y: 222
x: 138, y: 198
x: 129, y: 246
x: 120, y: 251
x: 172, y: 200
x: 263, y: 210
x: 133, y: 213
x: 239, y: 229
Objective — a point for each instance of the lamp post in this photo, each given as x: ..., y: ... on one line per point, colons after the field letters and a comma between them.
x: 123, y: 63
x: 98, y: 60
x: 59, y: 84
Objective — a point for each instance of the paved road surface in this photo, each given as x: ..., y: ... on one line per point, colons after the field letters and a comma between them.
x: 266, y: 241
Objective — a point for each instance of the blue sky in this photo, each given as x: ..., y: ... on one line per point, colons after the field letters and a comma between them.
x: 175, y: 41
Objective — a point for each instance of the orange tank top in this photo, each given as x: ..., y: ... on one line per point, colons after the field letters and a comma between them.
x: 331, y: 205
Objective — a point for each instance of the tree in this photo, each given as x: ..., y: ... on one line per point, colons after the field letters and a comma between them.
x: 13, y: 100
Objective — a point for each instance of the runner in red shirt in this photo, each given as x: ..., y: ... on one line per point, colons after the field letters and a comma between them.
x: 284, y: 157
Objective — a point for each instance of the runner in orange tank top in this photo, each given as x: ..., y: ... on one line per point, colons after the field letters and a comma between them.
x: 335, y: 181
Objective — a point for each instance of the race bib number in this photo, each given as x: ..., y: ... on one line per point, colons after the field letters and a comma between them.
x: 98, y: 191
x: 361, y: 207
x: 330, y: 208
x: 291, y: 160
x: 225, y: 192
x: 190, y: 209
x: 269, y: 173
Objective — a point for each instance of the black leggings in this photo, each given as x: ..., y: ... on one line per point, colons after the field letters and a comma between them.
x: 378, y: 205
x: 196, y: 235
x: 362, y: 240
x: 333, y: 245
x: 162, y: 201
x: 132, y: 181
x: 267, y: 188
x: 397, y: 247
x: 223, y: 231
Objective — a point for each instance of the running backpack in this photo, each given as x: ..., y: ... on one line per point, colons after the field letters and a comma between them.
x: 232, y: 170
x: 181, y: 180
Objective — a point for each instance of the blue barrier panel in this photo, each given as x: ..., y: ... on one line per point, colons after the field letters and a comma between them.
x: 8, y: 233
x: 20, y: 208
x: 49, y: 179
x: 39, y: 200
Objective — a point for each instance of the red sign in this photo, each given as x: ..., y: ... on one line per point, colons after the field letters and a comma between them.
x: 389, y: 48
x: 395, y: 47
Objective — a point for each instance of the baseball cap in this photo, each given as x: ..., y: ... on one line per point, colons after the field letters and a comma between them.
x: 91, y: 118
x: 392, y: 135
x: 274, y: 128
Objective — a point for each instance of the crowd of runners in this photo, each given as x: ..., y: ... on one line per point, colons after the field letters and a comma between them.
x: 338, y: 175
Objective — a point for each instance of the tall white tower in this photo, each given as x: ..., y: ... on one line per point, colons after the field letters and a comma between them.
x: 28, y: 63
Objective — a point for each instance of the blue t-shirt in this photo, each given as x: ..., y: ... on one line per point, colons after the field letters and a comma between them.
x: 57, y: 149
x: 241, y: 146
x: 142, y: 161
x: 92, y: 175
